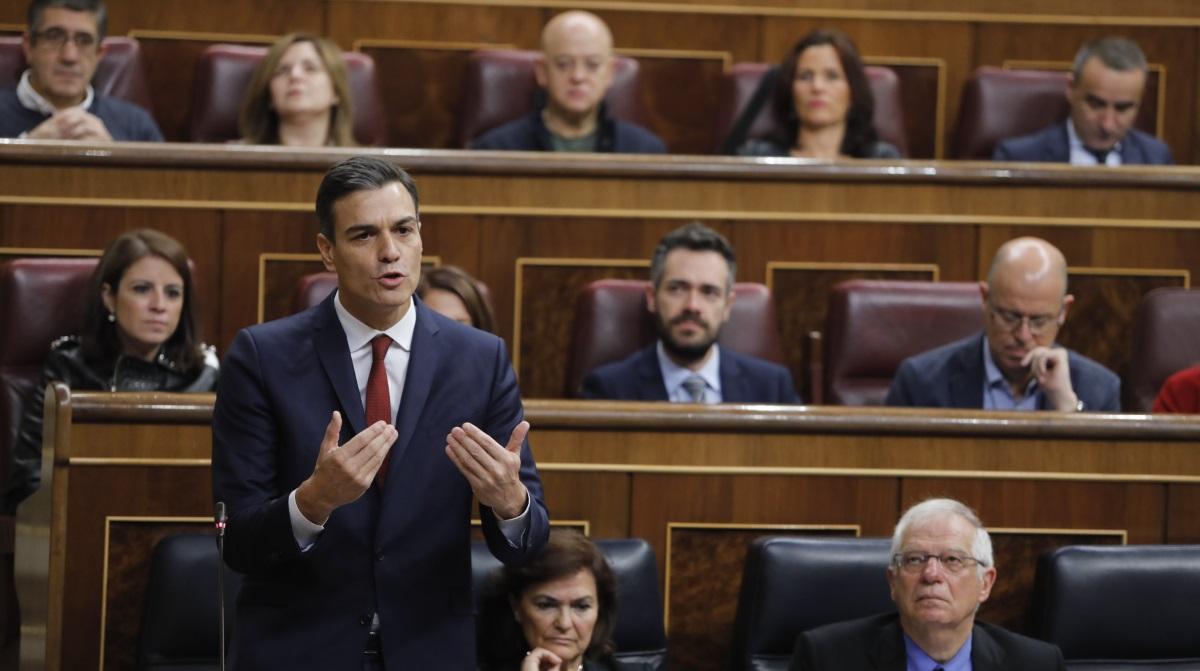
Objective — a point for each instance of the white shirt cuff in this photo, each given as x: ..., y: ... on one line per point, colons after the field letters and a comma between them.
x: 514, y: 529
x: 306, y: 532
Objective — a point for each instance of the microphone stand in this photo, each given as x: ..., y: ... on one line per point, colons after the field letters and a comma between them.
x: 220, y: 522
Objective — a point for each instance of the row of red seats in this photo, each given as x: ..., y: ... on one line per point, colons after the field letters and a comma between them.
x: 499, y: 86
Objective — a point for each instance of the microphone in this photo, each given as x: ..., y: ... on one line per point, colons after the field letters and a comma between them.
x: 220, y: 520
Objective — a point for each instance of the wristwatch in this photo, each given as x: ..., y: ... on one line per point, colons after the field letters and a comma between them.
x: 1078, y: 404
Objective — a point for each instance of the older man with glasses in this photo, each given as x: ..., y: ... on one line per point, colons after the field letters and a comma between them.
x: 54, y: 99
x: 1015, y: 363
x: 941, y: 571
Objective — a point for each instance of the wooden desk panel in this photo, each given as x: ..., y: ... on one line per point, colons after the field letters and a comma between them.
x: 695, y: 481
x: 793, y: 224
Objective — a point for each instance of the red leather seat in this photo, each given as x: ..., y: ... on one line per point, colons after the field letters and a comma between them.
x: 40, y: 300
x: 873, y: 325
x: 119, y: 74
x: 611, y: 322
x: 224, y: 71
x: 1165, y: 341
x: 742, y: 80
x: 500, y: 86
x: 999, y: 103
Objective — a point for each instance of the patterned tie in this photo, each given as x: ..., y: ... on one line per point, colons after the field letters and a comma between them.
x: 379, y: 403
x: 694, y: 385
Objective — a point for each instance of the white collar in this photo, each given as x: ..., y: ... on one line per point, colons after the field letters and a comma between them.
x: 359, y: 335
x: 1079, y: 154
x: 32, y: 100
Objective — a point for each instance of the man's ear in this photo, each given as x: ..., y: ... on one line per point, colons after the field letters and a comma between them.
x: 540, y: 72
x: 1067, y: 301
x: 651, y: 306
x: 325, y: 247
x: 983, y: 295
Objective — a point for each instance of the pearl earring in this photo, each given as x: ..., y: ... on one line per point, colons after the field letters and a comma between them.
x: 112, y: 317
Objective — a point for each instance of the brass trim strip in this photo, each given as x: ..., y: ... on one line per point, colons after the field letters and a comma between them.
x: 1101, y: 271
x: 773, y: 266
x: 725, y: 57
x: 542, y: 261
x: 381, y: 43
x: 201, y: 36
x: 601, y: 467
x: 939, y: 122
x: 1123, y: 534
x: 849, y: 14
x: 159, y: 203
x: 586, y: 524
x: 671, y: 526
x: 49, y: 251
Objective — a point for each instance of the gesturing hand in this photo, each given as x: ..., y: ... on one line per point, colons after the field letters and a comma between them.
x: 343, y: 473
x: 494, y: 472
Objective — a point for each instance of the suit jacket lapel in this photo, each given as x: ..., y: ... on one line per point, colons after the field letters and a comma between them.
x: 422, y: 364
x: 330, y: 341
x: 966, y: 382
x: 650, y: 380
x: 733, y: 382
x: 888, y: 653
x: 1060, y: 149
x: 986, y: 653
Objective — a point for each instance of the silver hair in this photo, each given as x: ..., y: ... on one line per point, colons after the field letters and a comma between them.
x: 981, y: 545
x: 1116, y: 53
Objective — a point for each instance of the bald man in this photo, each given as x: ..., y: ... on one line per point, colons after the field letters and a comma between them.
x: 1015, y: 363
x: 575, y: 72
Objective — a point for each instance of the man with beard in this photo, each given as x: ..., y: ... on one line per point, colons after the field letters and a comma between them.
x: 1015, y: 364
x: 690, y: 297
x: 575, y: 72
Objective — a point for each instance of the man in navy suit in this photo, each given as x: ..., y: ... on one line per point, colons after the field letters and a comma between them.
x: 940, y: 573
x: 690, y: 297
x: 348, y: 441
x: 1107, y: 82
x: 1015, y: 363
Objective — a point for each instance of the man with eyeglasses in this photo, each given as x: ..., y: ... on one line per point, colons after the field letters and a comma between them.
x: 1015, y: 364
x: 941, y: 571
x: 54, y: 99
x: 575, y: 72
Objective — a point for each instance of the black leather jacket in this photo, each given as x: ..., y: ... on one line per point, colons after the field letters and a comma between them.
x: 65, y: 363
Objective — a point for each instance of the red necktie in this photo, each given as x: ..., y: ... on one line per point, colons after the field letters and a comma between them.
x: 379, y: 403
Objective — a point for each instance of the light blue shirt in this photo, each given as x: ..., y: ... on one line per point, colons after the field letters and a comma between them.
x: 1081, y: 156
x: 997, y: 395
x: 919, y: 661
x: 673, y: 376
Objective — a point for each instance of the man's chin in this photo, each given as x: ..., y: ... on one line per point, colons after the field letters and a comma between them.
x: 686, y: 352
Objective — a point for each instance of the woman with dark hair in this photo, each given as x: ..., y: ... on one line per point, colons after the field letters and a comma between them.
x: 565, y: 603
x: 823, y: 103
x: 139, y: 334
x: 299, y: 96
x: 450, y: 291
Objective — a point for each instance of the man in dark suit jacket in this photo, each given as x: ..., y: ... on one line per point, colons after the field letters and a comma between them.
x: 1015, y: 363
x: 690, y: 297
x: 941, y: 571
x: 349, y: 513
x: 1107, y: 82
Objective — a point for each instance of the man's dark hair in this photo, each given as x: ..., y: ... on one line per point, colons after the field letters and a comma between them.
x: 695, y: 237
x: 33, y: 16
x: 357, y: 173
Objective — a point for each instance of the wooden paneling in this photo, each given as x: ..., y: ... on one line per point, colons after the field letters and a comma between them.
x: 705, y: 572
x: 686, y: 123
x: 422, y: 90
x: 129, y: 545
x: 642, y: 469
x: 1183, y: 514
x: 272, y: 17
x: 492, y: 24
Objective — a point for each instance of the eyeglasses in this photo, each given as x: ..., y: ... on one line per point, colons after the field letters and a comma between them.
x: 952, y: 562
x: 1012, y: 320
x: 56, y: 38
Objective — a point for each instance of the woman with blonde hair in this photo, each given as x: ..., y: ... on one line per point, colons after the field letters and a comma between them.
x: 299, y: 96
